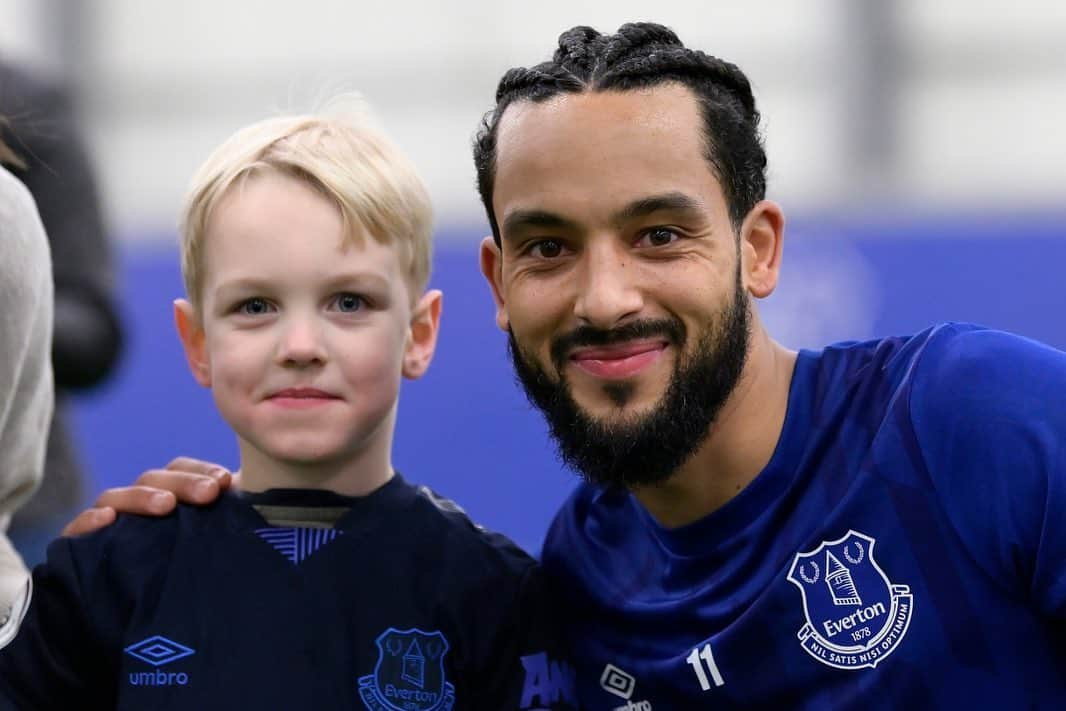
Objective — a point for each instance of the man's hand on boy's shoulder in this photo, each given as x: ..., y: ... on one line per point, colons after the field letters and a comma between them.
x: 155, y: 493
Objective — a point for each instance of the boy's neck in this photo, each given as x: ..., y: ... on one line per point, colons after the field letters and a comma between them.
x: 356, y: 476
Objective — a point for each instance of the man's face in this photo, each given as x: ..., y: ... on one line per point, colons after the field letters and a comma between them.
x: 301, y: 339
x: 618, y: 278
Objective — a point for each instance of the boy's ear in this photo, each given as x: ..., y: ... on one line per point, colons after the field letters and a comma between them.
x: 491, y: 260
x: 191, y: 333
x: 422, y: 336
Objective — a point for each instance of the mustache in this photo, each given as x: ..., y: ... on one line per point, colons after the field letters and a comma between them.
x: 671, y: 330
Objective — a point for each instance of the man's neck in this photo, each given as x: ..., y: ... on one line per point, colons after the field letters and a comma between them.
x: 739, y: 443
x: 355, y: 476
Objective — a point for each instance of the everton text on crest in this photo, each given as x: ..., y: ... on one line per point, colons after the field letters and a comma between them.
x: 409, y: 674
x: 855, y: 616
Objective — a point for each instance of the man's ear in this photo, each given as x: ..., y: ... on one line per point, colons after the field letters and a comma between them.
x: 422, y: 337
x: 491, y: 260
x: 191, y: 333
x: 761, y: 240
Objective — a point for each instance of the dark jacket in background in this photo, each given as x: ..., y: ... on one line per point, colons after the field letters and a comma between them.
x: 42, y: 129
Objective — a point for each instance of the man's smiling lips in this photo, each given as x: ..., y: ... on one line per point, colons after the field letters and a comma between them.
x: 623, y: 360
x: 301, y: 398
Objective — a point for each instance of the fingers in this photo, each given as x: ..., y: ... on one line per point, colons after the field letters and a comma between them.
x: 156, y: 493
x: 189, y: 488
x: 196, y: 466
x: 89, y: 520
x: 143, y: 500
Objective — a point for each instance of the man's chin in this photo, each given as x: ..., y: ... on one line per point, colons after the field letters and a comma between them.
x: 610, y: 400
x: 604, y: 412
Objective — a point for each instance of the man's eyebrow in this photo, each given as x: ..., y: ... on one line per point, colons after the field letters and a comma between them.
x: 533, y: 218
x: 673, y: 201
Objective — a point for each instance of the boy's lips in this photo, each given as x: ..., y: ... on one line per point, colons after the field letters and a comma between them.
x: 301, y: 398
x: 622, y: 360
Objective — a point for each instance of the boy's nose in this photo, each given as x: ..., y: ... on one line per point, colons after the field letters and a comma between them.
x: 301, y: 344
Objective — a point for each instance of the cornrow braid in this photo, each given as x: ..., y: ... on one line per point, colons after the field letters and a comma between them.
x: 639, y: 56
x: 579, y: 48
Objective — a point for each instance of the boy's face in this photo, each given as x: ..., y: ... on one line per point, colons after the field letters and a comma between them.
x: 302, y: 340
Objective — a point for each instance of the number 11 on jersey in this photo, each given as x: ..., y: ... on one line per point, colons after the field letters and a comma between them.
x: 705, y: 657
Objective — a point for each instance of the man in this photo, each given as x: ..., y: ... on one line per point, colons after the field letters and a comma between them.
x: 875, y: 525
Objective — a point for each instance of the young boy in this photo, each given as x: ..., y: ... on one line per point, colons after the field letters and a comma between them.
x: 327, y: 581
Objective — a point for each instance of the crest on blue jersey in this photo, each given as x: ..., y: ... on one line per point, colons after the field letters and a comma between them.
x: 409, y: 674
x: 855, y: 615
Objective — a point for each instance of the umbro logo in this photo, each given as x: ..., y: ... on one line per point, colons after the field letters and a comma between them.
x: 158, y: 651
x: 622, y: 684
x: 617, y: 682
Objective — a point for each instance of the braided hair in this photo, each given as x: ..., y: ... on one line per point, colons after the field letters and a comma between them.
x: 642, y: 55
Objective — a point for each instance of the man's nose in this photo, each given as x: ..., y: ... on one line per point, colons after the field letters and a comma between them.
x: 608, y: 289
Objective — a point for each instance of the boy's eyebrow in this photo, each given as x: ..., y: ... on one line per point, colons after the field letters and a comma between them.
x: 367, y: 279
x: 243, y: 283
x: 372, y: 279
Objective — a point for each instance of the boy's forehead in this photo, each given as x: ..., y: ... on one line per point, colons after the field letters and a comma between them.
x: 279, y: 227
x: 342, y: 263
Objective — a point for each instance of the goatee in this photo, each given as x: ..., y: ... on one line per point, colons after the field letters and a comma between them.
x: 646, y: 448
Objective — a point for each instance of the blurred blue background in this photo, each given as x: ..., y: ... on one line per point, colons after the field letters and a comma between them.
x: 466, y: 429
x: 916, y: 147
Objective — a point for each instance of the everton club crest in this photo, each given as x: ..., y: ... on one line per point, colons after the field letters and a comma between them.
x: 855, y: 615
x: 409, y: 675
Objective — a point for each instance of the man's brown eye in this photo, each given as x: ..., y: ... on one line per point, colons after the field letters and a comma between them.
x: 548, y: 248
x: 660, y: 236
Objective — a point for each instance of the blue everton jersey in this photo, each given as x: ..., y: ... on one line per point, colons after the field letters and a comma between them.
x: 905, y: 548
x: 403, y: 604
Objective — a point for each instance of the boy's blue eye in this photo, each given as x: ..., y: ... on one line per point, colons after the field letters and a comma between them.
x: 349, y: 302
x: 254, y: 307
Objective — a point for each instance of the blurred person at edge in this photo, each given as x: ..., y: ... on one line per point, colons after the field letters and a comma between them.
x: 26, y: 387
x: 42, y: 130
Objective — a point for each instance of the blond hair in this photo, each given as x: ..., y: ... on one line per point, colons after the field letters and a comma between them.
x: 374, y: 185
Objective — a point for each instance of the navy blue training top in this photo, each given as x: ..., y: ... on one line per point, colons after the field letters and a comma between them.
x: 403, y: 604
x: 905, y: 548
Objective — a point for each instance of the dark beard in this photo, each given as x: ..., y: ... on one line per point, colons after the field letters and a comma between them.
x: 646, y: 449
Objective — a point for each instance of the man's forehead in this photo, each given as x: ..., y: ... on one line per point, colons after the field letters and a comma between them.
x: 596, y: 153
x: 669, y: 108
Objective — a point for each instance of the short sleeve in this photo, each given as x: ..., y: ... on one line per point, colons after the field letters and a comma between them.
x: 989, y: 415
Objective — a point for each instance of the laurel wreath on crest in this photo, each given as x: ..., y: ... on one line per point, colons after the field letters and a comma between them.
x: 810, y: 581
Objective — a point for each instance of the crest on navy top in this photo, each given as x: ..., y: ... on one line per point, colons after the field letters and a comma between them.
x: 409, y: 674
x: 855, y: 615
